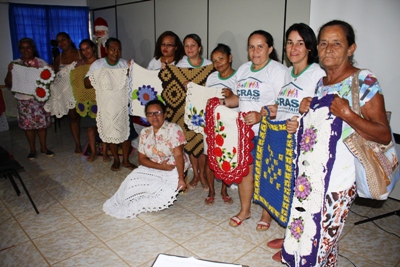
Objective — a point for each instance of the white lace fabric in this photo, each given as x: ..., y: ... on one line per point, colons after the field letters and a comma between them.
x: 143, y: 190
x: 112, y: 102
x: 24, y: 79
x: 61, y: 97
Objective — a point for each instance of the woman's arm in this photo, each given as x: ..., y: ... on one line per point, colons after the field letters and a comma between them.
x: 231, y: 100
x: 180, y: 166
x: 145, y: 161
x: 87, y: 82
x: 8, y: 79
x: 374, y: 126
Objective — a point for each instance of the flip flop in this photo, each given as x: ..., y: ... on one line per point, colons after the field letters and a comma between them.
x: 276, y: 243
x: 130, y: 167
x: 227, y: 200
x: 235, y: 221
x: 209, y: 201
x: 277, y: 256
x: 260, y: 225
x: 115, y: 167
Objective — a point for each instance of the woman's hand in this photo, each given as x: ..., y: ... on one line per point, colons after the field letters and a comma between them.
x: 340, y: 107
x: 272, y: 111
x: 10, y: 66
x: 185, y: 84
x: 292, y: 125
x: 163, y: 64
x: 305, y: 105
x: 165, y: 166
x: 252, y: 118
x: 226, y: 92
x: 181, y: 184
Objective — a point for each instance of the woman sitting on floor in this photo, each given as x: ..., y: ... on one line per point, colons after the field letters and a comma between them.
x: 154, y: 185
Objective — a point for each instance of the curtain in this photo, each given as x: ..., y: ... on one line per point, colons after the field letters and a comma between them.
x: 43, y: 22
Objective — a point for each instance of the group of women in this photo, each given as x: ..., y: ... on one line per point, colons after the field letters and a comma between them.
x: 161, y: 145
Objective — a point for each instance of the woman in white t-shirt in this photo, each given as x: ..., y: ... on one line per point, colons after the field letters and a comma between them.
x: 258, y: 84
x: 169, y: 50
x: 225, y: 78
x: 193, y: 59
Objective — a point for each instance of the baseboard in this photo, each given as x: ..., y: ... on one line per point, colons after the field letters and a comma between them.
x: 396, y: 138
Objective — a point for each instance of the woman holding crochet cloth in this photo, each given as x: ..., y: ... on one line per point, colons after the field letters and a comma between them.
x: 161, y: 174
x: 312, y: 238
x: 32, y: 118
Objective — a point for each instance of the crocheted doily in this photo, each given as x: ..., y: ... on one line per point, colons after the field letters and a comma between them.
x: 174, y: 95
x: 61, y: 99
x: 317, y: 137
x: 229, y: 142
x: 274, y: 168
x: 32, y: 81
x: 111, y: 96
x: 85, y: 98
x: 144, y: 190
x: 196, y: 101
x: 144, y: 85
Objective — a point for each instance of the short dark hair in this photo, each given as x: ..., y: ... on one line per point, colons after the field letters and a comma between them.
x: 155, y: 102
x: 309, y: 38
x: 31, y: 42
x: 196, y: 38
x: 348, y: 31
x: 223, y: 48
x: 269, y: 40
x: 179, y: 52
x: 112, y: 39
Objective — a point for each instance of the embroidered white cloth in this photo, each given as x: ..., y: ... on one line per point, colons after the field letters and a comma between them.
x: 143, y: 190
x: 144, y: 85
x: 196, y: 102
x: 61, y: 98
x: 318, y: 134
x: 112, y: 101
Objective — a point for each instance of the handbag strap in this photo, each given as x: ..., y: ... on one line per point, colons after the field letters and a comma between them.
x: 355, y: 93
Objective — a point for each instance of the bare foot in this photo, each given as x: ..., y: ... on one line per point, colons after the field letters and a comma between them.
x: 106, y: 158
x: 91, y: 158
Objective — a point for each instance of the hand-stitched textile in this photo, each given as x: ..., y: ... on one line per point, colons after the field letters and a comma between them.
x: 32, y: 81
x: 274, y: 169
x: 174, y: 95
x: 317, y: 137
x: 143, y: 190
x: 144, y: 85
x: 112, y: 100
x: 61, y: 99
x: 196, y: 101
x: 229, y: 142
x: 86, y: 104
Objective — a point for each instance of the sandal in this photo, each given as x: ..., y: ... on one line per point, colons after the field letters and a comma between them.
x: 235, y: 221
x: 130, y: 166
x: 276, y: 243
x: 205, y: 187
x: 91, y: 158
x: 227, y: 200
x: 193, y: 184
x: 209, y: 201
x: 262, y: 226
x: 115, y: 167
x: 277, y: 256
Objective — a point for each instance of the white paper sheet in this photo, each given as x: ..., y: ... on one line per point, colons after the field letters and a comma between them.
x: 164, y: 260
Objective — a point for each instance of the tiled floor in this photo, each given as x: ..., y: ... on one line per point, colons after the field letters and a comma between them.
x: 72, y: 230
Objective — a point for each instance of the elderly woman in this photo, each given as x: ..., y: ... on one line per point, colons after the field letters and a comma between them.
x: 336, y: 47
x: 161, y: 174
x: 32, y: 118
x: 169, y: 50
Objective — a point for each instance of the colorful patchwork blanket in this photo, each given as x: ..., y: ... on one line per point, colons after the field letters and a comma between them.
x: 61, y: 99
x: 111, y: 96
x: 144, y: 85
x: 229, y: 142
x: 174, y: 95
x: 196, y: 101
x: 86, y: 104
x: 274, y: 168
x: 317, y: 137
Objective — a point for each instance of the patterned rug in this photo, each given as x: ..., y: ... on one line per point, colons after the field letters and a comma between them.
x: 174, y: 95
x: 86, y: 104
x: 229, y: 142
x: 274, y: 169
x: 318, y: 134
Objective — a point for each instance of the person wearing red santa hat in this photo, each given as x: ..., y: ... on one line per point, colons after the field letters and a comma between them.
x: 101, y: 35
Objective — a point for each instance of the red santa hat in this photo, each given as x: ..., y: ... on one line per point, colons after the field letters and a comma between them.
x: 100, y: 24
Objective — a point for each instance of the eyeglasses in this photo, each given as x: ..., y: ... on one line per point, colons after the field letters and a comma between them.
x: 155, y: 113
x: 168, y: 45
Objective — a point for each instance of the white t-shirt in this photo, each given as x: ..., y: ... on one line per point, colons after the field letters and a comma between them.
x: 102, y: 63
x: 41, y: 64
x: 185, y: 63
x: 259, y: 88
x: 296, y: 88
x: 155, y: 64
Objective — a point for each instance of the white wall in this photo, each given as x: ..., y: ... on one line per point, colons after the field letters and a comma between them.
x: 376, y: 24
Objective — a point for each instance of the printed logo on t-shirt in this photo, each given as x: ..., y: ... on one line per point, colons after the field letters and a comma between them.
x: 288, y: 99
x: 248, y: 90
